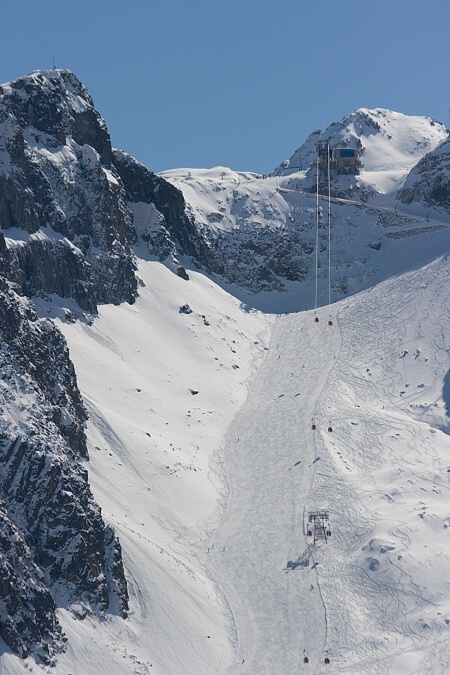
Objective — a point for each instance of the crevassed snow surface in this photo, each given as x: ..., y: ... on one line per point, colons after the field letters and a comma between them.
x: 210, y: 492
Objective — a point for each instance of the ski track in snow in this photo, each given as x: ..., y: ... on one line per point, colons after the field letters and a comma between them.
x: 364, y: 599
x: 269, y: 491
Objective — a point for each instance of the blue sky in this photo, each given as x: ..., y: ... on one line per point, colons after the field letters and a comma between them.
x: 239, y: 83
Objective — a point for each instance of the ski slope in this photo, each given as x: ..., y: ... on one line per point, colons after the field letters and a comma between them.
x: 375, y: 598
x: 272, y: 457
x: 203, y: 459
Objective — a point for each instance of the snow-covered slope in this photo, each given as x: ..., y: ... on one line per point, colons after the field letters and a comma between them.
x: 374, y: 599
x: 391, y: 143
x: 161, y: 387
x: 257, y: 595
x: 222, y: 576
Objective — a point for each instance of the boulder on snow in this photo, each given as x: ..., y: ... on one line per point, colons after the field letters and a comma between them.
x: 185, y: 309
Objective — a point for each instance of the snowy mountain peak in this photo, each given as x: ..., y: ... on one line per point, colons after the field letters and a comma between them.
x: 62, y: 205
x: 57, y: 79
x: 54, y: 103
x: 390, y: 142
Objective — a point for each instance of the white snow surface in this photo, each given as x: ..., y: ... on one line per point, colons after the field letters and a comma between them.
x: 209, y: 492
x: 162, y: 388
x: 219, y: 195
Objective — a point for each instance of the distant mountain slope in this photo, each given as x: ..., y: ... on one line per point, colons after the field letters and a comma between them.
x: 261, y: 235
x: 391, y: 143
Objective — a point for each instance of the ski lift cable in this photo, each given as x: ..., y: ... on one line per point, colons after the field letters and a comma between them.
x: 317, y: 227
x: 329, y: 227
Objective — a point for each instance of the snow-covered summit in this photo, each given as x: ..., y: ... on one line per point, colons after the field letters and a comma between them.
x: 56, y: 176
x: 391, y: 143
x: 60, y: 85
x: 61, y: 79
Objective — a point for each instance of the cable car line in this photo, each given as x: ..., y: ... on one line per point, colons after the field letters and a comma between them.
x: 317, y: 230
x: 329, y: 227
x: 320, y: 168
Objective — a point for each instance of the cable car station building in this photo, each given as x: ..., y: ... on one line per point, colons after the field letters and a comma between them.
x: 347, y: 160
x: 340, y: 160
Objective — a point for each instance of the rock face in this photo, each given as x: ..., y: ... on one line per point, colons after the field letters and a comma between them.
x: 28, y: 612
x: 429, y: 181
x: 56, y: 549
x: 59, y: 188
x: 161, y: 216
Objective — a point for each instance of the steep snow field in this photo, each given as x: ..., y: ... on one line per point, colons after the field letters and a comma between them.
x: 161, y: 387
x: 210, y: 492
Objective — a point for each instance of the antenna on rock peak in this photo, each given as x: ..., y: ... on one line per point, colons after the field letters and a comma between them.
x: 54, y: 64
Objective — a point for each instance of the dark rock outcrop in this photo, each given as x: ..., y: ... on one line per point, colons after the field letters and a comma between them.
x: 27, y: 610
x: 429, y: 182
x: 59, y: 189
x: 177, y: 232
x: 55, y: 547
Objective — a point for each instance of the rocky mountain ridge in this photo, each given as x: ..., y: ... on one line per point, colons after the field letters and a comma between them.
x: 56, y: 177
